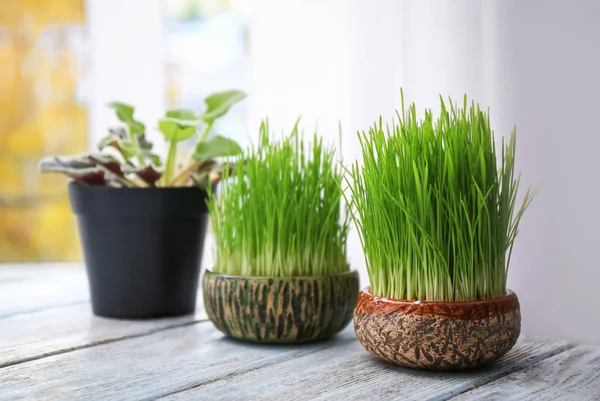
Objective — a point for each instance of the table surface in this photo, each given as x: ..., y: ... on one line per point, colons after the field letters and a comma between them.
x: 52, y: 347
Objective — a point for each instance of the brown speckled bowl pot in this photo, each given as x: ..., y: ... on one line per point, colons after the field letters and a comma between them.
x: 437, y: 335
x: 280, y: 310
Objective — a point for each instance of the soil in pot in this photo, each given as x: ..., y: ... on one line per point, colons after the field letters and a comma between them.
x: 142, y: 248
x: 280, y: 310
x: 437, y: 335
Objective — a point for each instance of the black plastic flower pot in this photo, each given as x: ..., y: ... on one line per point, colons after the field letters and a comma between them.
x: 142, y: 248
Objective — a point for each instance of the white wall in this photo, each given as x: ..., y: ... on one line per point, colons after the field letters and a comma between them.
x: 299, y: 52
x: 536, y: 63
x: 551, y: 71
x: 127, y: 61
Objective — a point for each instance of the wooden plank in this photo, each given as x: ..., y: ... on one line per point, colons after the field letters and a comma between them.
x: 159, y: 364
x: 571, y: 375
x: 35, y: 335
x: 348, y: 372
x: 30, y: 288
x: 25, y: 271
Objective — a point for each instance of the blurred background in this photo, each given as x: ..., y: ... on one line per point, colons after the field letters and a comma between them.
x: 184, y: 50
x: 535, y: 63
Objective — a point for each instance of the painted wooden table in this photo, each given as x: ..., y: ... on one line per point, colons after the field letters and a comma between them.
x: 51, y: 347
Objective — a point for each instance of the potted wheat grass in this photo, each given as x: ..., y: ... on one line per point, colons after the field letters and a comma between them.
x: 281, y: 273
x: 142, y: 219
x: 437, y: 213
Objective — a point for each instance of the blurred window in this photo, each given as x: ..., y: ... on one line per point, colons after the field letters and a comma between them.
x: 42, y: 111
x: 207, y: 52
x: 43, y: 76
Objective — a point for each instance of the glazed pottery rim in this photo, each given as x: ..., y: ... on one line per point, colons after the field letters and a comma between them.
x: 367, y: 291
x: 264, y: 278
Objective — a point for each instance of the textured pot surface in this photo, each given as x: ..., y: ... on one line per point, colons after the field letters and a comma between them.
x: 437, y: 335
x: 280, y: 310
x: 142, y: 248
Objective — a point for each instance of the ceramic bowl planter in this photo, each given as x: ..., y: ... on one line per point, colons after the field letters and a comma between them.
x: 436, y: 204
x: 281, y: 272
x: 280, y: 310
x: 437, y: 335
x: 142, y: 248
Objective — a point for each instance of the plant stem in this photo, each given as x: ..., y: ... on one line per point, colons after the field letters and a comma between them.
x: 139, y: 158
x: 184, y: 173
x: 133, y: 139
x: 205, y: 132
x: 170, y: 163
x: 194, y: 164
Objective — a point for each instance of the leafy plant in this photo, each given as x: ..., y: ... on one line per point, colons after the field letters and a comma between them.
x: 436, y: 216
x: 125, y: 157
x: 280, y: 213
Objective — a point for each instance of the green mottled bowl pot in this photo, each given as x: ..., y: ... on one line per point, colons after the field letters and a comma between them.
x: 437, y: 335
x: 280, y: 310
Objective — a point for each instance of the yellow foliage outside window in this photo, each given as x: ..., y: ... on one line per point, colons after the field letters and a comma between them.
x: 42, y: 62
